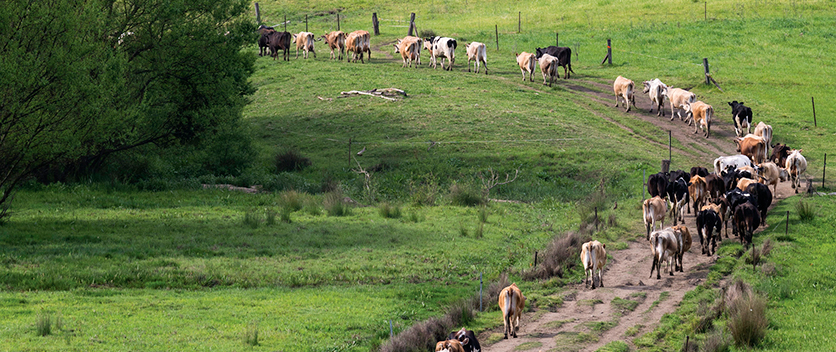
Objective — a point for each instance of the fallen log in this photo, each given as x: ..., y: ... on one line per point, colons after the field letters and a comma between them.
x: 385, y: 93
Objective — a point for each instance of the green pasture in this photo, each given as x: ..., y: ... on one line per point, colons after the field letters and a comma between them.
x: 183, y: 270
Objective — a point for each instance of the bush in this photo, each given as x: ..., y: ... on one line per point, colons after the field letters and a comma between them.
x: 427, y: 33
x: 291, y: 160
x: 561, y: 254
x: 747, y: 315
x: 465, y: 196
x: 805, y: 211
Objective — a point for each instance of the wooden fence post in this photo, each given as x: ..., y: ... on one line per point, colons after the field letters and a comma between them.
x: 813, y: 100
x: 480, y: 291
x: 411, y: 23
x: 644, y: 183
x: 376, y: 24
x: 705, y: 66
x: 257, y: 14
x: 787, y: 229
x: 609, y: 52
x: 306, y: 23
x: 338, y: 21
x: 706, y: 10
x: 824, y: 169
x: 556, y: 39
x: 519, y: 22
x: 285, y: 23
x: 496, y: 28
x: 349, y: 153
x: 535, y: 259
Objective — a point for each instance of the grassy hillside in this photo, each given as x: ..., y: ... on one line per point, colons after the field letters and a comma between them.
x: 202, y: 269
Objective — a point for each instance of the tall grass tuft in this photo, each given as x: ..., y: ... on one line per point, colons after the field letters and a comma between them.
x: 715, y: 342
x: 252, y: 218
x: 462, y: 230
x: 465, y: 196
x: 292, y: 200
x: 560, y: 255
x: 44, y: 325
x: 311, y: 206
x: 285, y: 215
x: 270, y: 215
x: 480, y: 230
x: 251, y: 334
x: 290, y: 160
x: 334, y: 205
x: 747, y: 315
x: 805, y: 211
x: 389, y: 211
x: 483, y: 215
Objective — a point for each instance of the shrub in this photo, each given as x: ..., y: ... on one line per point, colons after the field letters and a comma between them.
x: 561, y: 254
x: 805, y: 211
x: 465, y: 196
x: 426, y: 33
x: 715, y: 342
x: 291, y: 160
x: 747, y: 315
x: 424, y: 194
x: 334, y: 204
x: 389, y: 211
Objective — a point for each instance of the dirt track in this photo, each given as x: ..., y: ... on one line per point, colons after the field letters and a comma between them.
x: 626, y: 275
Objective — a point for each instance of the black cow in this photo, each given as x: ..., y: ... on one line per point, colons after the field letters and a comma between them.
x: 746, y: 220
x: 780, y: 152
x: 714, y: 185
x: 563, y: 55
x: 675, y: 175
x: 709, y: 225
x: 764, y: 198
x: 698, y: 170
x: 677, y: 192
x: 467, y: 338
x: 279, y: 41
x: 657, y: 185
x: 740, y: 114
x: 263, y: 40
x: 736, y: 198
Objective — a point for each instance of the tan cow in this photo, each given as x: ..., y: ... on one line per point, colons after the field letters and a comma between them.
x: 743, y: 183
x: 663, y: 247
x: 623, y: 88
x: 336, y: 40
x: 548, y: 66
x: 594, y: 258
x: 527, y: 63
x: 796, y: 165
x: 449, y: 346
x: 771, y: 174
x: 698, y: 190
x: 680, y: 99
x: 409, y: 52
x: 701, y: 115
x: 304, y: 41
x: 752, y: 146
x: 512, y: 303
x: 654, y: 210
x: 476, y: 52
x: 357, y: 43
x: 764, y: 131
x: 684, y: 241
x: 418, y: 41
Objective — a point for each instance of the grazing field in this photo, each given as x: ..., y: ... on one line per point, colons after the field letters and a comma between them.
x: 191, y: 269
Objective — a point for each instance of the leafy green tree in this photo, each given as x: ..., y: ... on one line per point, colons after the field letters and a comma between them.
x: 82, y: 80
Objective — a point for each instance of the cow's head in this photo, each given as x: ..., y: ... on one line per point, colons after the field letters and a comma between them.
x: 539, y: 52
x: 397, y: 49
x: 646, y: 86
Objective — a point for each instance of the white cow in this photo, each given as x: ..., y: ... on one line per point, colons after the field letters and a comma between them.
x: 681, y: 99
x: 304, y: 41
x: 796, y: 165
x: 738, y: 161
x: 594, y: 258
x: 657, y: 92
x: 623, y: 88
x: 476, y: 52
x: 548, y: 66
x: 765, y: 131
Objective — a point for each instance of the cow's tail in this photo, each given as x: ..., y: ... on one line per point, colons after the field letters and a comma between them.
x: 644, y: 212
x: 510, y: 301
x: 709, y: 114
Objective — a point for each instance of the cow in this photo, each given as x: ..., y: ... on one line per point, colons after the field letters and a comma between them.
x: 657, y: 185
x: 680, y: 99
x: 264, y: 33
x: 737, y: 198
x: 476, y: 52
x: 744, y: 183
x: 771, y: 174
x: 720, y: 206
x: 420, y: 44
x: 748, y: 172
x: 512, y: 303
x: 563, y: 55
x: 746, y: 220
x: 678, y: 195
x: 714, y: 185
x: 442, y: 47
x: 684, y: 240
x: 277, y: 41
x: 526, y: 62
x: 409, y: 52
x: 357, y: 43
x: 548, y: 66
x: 304, y: 41
x: 697, y: 192
x: 709, y: 226
x: 796, y: 165
x: 467, y: 339
x: 698, y: 170
x: 764, y: 131
x: 721, y: 163
x: 752, y: 146
x: 657, y: 92
x: 701, y: 115
x: 594, y: 258
x: 742, y: 116
x: 664, y: 247
x: 451, y: 345
x: 764, y: 198
x: 623, y: 88
x: 653, y: 210
x: 780, y: 152
x: 335, y: 40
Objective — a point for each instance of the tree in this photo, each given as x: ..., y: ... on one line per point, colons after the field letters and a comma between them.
x: 82, y: 80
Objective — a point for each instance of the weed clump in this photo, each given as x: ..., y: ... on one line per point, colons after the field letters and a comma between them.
x: 291, y: 160
x: 292, y: 200
x: 561, y: 254
x: 252, y: 218
x: 251, y: 335
x: 747, y: 315
x: 44, y: 325
x: 715, y: 342
x: 389, y: 211
x: 334, y: 205
x: 465, y: 196
x: 805, y: 211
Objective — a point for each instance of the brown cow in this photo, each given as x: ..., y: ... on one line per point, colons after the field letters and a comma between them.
x: 357, y: 42
x: 744, y: 183
x: 419, y: 42
x: 653, y: 210
x: 527, y: 63
x: 623, y: 88
x: 752, y: 146
x: 714, y: 185
x: 683, y: 237
x: 697, y: 191
x: 663, y: 246
x: 449, y: 346
x: 771, y: 174
x: 409, y: 52
x: 594, y: 258
x: 701, y: 115
x: 336, y: 40
x: 512, y: 303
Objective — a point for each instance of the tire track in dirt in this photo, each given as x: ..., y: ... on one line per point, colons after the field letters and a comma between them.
x: 572, y: 327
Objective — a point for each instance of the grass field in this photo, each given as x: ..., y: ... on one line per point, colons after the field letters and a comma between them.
x: 184, y: 270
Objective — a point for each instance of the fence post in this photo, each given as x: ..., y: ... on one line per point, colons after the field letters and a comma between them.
x: 813, y: 100
x: 787, y: 229
x: 375, y: 24
x: 670, y: 147
x: 609, y: 52
x: 338, y: 21
x: 824, y: 169
x: 257, y: 14
x: 411, y: 23
x: 644, y: 183
x: 306, y: 23
x: 349, y: 153
x: 391, y: 333
x: 519, y: 22
x: 556, y: 39
x: 285, y: 23
x: 496, y: 28
x: 705, y: 66
x: 535, y: 259
x: 596, y: 218
x: 706, y: 10
x: 480, y: 290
